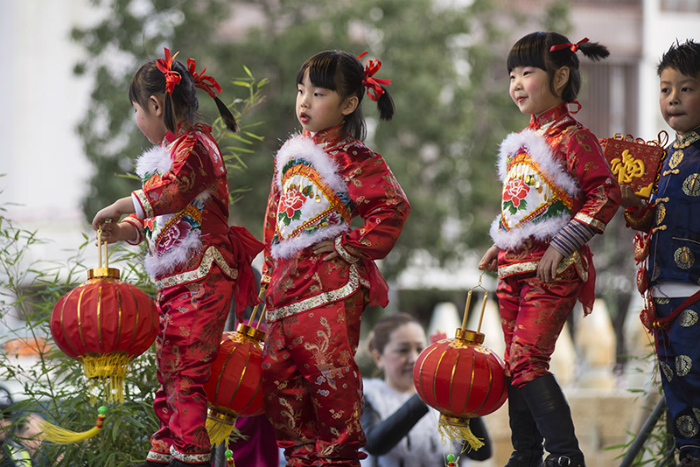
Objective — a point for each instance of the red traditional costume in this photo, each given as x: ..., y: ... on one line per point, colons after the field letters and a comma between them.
x: 198, y: 262
x: 311, y: 383
x: 557, y: 190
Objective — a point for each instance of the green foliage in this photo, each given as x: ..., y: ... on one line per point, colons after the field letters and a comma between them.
x: 53, y: 384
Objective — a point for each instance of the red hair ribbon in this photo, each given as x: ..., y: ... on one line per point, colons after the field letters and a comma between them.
x: 166, y: 67
x: 373, y: 85
x: 573, y: 47
x: 202, y: 81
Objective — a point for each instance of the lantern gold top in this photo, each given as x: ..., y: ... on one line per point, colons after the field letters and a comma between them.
x: 251, y: 332
x: 103, y: 272
x: 472, y: 337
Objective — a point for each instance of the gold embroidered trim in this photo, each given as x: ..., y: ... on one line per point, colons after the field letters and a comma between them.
x: 158, y: 457
x: 530, y: 266
x: 684, y: 258
x: 691, y: 186
x: 343, y: 253
x: 317, y: 300
x: 190, y: 458
x: 593, y: 222
x: 145, y: 204
x: 212, y: 254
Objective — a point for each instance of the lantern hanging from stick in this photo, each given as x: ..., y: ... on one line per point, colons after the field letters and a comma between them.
x: 235, y: 386
x: 461, y: 378
x: 104, y: 323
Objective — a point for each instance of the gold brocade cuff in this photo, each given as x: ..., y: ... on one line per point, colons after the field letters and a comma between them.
x: 342, y: 252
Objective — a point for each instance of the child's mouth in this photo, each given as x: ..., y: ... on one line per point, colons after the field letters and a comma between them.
x: 304, y: 118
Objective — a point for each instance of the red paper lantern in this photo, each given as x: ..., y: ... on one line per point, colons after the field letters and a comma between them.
x: 105, y: 323
x: 235, y: 386
x: 462, y: 379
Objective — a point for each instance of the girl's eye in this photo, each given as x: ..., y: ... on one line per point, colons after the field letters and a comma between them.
x: 318, y: 94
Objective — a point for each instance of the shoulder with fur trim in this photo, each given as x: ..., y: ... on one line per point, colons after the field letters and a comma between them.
x: 303, y: 148
x: 541, y: 153
x: 154, y: 160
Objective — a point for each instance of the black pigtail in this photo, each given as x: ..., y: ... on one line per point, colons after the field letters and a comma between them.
x: 594, y: 51
x: 385, y: 104
x: 169, y: 113
x: 226, y: 115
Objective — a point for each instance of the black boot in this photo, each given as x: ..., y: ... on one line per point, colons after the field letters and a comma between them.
x: 553, y: 417
x: 150, y: 464
x: 526, y: 439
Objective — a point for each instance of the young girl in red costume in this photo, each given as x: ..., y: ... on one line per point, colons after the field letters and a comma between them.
x: 558, y: 193
x: 321, y: 272
x: 197, y: 261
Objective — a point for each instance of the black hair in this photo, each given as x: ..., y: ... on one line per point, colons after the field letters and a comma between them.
x: 533, y: 50
x: 343, y: 73
x: 682, y: 57
x: 150, y: 81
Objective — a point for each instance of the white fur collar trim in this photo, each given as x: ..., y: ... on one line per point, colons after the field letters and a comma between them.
x: 541, y: 153
x: 157, y: 266
x: 305, y: 148
x: 154, y: 160
x: 292, y: 246
x: 541, y: 231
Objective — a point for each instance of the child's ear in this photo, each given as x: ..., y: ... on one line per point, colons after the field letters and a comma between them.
x: 350, y: 105
x: 377, y: 359
x: 561, y: 78
x: 155, y: 105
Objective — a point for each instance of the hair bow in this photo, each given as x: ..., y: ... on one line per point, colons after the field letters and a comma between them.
x: 202, y: 81
x: 166, y: 67
x: 373, y: 85
x: 573, y: 47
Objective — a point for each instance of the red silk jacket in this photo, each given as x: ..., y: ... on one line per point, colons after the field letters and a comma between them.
x: 320, y: 184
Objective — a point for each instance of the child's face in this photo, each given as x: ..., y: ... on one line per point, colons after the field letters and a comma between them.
x: 400, y: 354
x: 318, y: 108
x: 150, y: 120
x: 679, y: 99
x: 529, y: 89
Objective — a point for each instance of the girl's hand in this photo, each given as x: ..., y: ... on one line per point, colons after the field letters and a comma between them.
x: 489, y: 262
x: 325, y: 246
x: 629, y: 198
x: 113, y: 232
x: 547, y: 269
x: 113, y: 212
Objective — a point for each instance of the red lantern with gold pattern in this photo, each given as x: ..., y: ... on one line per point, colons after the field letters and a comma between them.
x: 235, y: 386
x: 461, y: 379
x: 105, y: 323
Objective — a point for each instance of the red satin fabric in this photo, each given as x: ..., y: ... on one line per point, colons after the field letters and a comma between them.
x: 312, y: 386
x: 380, y: 202
x: 533, y: 313
x: 192, y: 318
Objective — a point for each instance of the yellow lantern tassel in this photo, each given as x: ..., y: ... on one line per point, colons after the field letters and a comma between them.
x: 60, y: 435
x: 455, y: 429
x: 108, y: 367
x: 219, y: 426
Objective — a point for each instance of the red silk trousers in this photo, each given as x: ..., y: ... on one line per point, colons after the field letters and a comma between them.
x: 192, y: 319
x: 533, y: 313
x: 312, y: 384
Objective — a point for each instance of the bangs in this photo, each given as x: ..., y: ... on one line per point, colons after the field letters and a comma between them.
x: 322, y: 70
x: 528, y: 52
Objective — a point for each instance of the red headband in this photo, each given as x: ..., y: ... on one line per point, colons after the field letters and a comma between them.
x: 201, y: 81
x: 573, y: 47
x: 166, y: 67
x: 373, y: 85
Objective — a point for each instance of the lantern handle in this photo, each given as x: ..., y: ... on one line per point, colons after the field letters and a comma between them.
x: 469, y: 300
x: 263, y: 289
x: 262, y: 315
